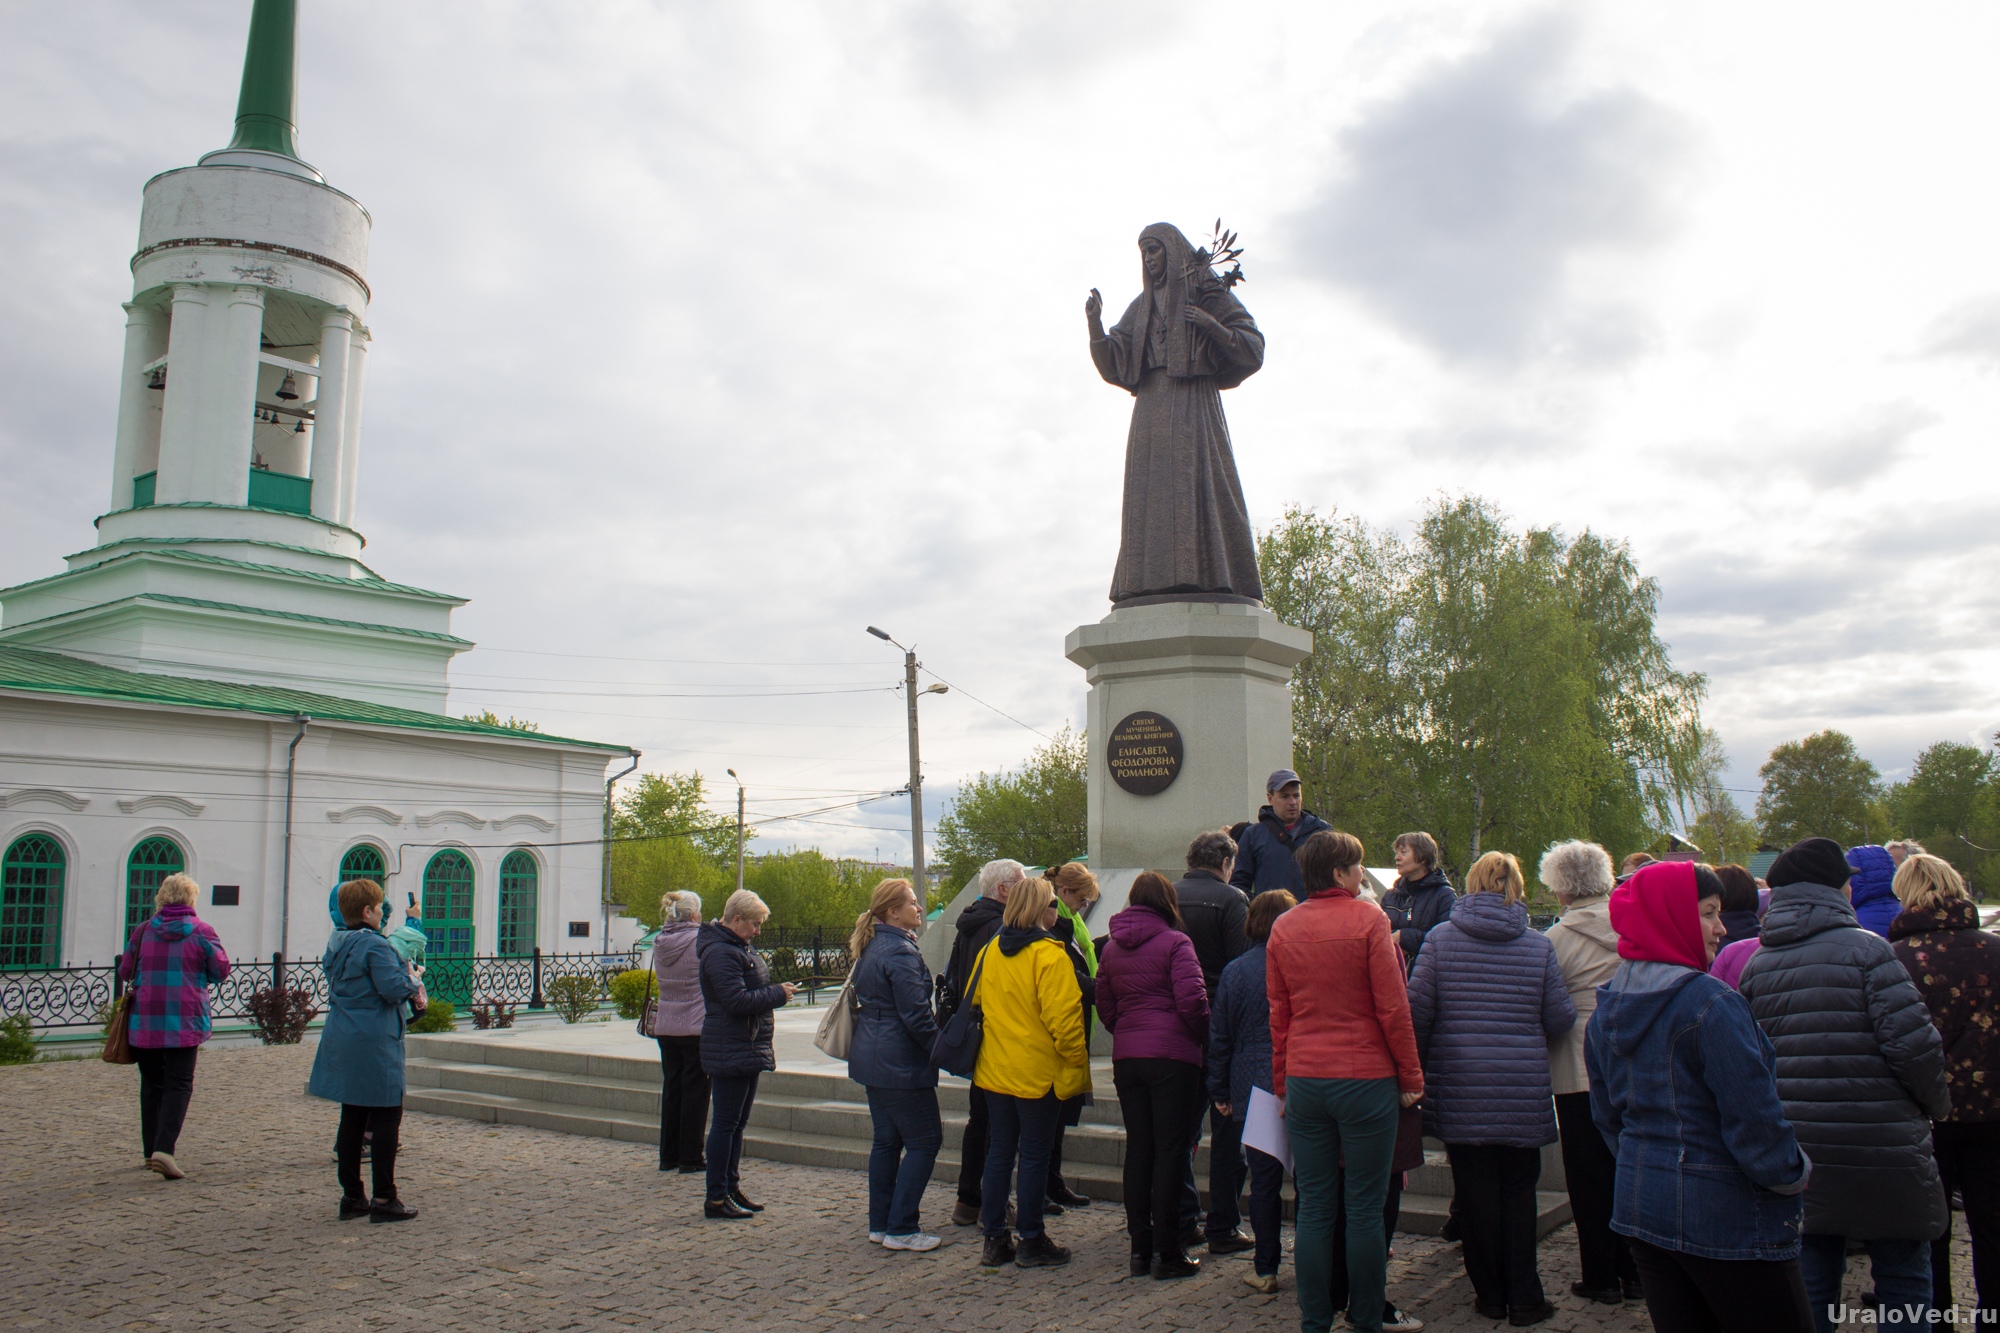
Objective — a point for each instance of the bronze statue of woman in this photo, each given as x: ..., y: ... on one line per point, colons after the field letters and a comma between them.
x: 1186, y: 533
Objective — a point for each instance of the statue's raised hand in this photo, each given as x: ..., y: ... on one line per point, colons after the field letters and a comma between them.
x: 1093, y: 310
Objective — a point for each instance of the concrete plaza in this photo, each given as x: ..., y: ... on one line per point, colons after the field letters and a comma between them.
x: 532, y: 1230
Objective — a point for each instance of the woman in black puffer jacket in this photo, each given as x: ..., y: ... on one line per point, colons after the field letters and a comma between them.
x: 1955, y: 965
x: 1861, y: 1076
x: 736, y: 1030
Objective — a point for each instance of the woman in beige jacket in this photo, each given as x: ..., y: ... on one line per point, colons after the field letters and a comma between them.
x: 1579, y: 873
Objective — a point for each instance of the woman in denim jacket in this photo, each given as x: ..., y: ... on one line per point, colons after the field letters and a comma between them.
x: 1683, y: 1085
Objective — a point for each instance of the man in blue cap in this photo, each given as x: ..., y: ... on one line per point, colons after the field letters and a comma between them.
x: 1265, y: 853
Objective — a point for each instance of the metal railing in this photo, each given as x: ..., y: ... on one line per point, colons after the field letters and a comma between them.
x: 76, y: 997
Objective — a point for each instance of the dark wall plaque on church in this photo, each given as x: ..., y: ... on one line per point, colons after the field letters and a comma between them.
x: 1145, y: 754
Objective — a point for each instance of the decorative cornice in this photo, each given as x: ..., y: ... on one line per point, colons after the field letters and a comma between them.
x: 535, y: 822
x: 289, y: 252
x: 67, y: 800
x: 450, y: 817
x: 132, y: 805
x: 374, y: 812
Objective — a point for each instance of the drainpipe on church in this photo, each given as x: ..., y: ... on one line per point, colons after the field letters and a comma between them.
x: 285, y: 892
x: 604, y: 893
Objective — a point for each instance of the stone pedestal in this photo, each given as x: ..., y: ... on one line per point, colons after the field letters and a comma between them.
x: 1221, y: 674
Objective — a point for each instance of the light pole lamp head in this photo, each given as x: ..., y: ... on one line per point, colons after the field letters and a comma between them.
x: 880, y: 634
x: 938, y: 689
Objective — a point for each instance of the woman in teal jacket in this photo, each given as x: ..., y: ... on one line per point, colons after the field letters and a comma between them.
x: 360, y: 1058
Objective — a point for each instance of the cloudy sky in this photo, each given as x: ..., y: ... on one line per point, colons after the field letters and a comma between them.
x: 706, y: 336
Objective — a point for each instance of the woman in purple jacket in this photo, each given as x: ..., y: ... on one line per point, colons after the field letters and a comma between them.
x: 171, y: 960
x: 1151, y: 999
x: 676, y: 1026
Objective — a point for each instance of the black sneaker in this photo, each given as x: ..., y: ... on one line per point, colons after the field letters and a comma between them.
x: 391, y: 1210
x: 1230, y: 1242
x: 1040, y: 1252
x: 998, y: 1251
x: 1602, y: 1295
x: 353, y: 1206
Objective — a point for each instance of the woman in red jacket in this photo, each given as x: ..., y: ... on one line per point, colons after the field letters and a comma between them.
x: 1343, y: 1062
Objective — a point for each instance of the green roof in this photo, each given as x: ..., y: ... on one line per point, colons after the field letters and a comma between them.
x: 204, y: 604
x: 43, y: 672
x: 372, y: 584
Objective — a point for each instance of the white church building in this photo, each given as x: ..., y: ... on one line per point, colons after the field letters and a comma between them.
x: 219, y: 683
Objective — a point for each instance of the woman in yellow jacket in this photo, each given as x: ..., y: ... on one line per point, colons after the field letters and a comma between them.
x: 1031, y: 1058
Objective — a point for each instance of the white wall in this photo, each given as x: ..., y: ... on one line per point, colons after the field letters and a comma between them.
x: 100, y: 777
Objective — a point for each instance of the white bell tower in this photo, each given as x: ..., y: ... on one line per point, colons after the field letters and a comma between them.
x: 228, y: 550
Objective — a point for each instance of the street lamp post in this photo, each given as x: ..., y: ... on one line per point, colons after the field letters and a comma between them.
x: 910, y: 693
x: 739, y: 830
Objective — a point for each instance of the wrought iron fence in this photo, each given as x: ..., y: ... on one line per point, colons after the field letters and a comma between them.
x: 75, y: 997
x: 809, y: 957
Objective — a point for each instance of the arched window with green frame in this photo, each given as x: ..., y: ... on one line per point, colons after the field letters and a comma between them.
x: 364, y: 861
x: 519, y: 879
x: 150, y: 863
x: 448, y: 904
x: 31, y: 901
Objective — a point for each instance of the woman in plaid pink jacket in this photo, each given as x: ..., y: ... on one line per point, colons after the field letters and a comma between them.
x: 171, y: 960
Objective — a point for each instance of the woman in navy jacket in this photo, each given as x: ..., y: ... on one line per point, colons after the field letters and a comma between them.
x: 736, y: 1030
x: 890, y: 1056
x: 1684, y: 1086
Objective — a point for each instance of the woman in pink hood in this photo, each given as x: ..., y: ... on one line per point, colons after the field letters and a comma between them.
x: 677, y: 1027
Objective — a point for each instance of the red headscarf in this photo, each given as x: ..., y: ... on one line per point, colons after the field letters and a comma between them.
x: 1657, y: 917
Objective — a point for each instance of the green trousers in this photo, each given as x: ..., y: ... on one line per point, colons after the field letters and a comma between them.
x: 1329, y: 1119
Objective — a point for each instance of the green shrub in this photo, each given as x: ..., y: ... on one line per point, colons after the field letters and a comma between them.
x: 630, y: 991
x: 17, y: 1040
x: 437, y: 1018
x: 573, y: 997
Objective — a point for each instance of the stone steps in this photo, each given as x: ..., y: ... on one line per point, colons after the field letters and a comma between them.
x: 810, y: 1118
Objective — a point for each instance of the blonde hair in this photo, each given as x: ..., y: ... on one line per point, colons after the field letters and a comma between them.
x: 744, y: 905
x: 1025, y: 905
x: 887, y: 894
x: 1496, y: 872
x: 680, y: 905
x: 177, y: 890
x: 1576, y: 871
x: 1075, y: 877
x: 356, y: 897
x: 1924, y: 882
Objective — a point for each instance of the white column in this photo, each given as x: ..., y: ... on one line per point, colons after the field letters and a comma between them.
x: 181, y: 425
x: 235, y: 342
x: 350, y: 439
x: 336, y: 337
x: 145, y: 339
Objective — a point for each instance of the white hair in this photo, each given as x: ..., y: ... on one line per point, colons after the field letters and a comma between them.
x: 1576, y: 870
x: 687, y: 905
x: 995, y: 875
x: 744, y: 905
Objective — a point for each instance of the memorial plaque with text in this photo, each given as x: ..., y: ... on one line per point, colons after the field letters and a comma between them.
x: 1145, y: 754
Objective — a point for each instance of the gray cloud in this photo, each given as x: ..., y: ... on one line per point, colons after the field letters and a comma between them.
x: 1461, y: 203
x: 1970, y: 329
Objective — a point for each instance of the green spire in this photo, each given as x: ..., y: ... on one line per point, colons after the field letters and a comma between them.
x: 267, y: 112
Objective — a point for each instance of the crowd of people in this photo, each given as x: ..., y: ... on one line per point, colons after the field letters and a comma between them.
x: 1749, y: 1082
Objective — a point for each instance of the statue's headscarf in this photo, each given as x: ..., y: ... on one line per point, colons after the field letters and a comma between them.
x: 1174, y: 296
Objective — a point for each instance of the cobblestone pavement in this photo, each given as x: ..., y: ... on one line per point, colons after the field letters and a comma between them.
x: 532, y: 1230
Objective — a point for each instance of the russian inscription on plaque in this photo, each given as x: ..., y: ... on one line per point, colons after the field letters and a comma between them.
x: 1144, y: 754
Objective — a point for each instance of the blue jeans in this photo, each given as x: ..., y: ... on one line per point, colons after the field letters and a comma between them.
x: 1901, y: 1269
x: 1328, y: 1118
x: 908, y: 1135
x: 1020, y: 1127
x: 729, y: 1114
x: 1267, y: 1208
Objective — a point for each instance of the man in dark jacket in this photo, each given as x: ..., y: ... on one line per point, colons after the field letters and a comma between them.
x: 1264, y: 854
x: 1861, y: 1074
x: 976, y: 926
x: 1213, y: 912
x: 1422, y: 898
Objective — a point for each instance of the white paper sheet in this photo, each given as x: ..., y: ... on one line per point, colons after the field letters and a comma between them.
x: 1264, y: 1128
